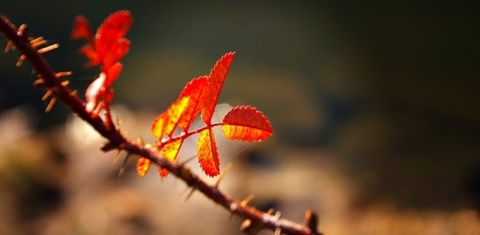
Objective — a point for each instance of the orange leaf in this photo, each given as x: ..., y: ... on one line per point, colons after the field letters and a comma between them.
x: 207, y: 153
x: 143, y: 164
x: 110, y: 34
x: 246, y: 123
x: 166, y: 122
x: 215, y: 83
x: 195, y: 91
x: 170, y: 152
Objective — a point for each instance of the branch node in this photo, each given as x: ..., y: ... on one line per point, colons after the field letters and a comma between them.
x: 108, y: 146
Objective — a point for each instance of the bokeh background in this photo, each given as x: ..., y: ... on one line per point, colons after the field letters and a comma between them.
x: 375, y: 107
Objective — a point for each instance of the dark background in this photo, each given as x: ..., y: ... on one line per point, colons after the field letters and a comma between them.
x: 390, y: 90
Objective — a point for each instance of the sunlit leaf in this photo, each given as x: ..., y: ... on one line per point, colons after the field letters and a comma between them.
x: 166, y: 122
x: 112, y: 74
x: 92, y: 56
x: 207, y: 153
x: 116, y: 52
x: 195, y: 90
x: 109, y: 36
x: 215, y: 83
x: 143, y: 164
x: 245, y: 123
x: 170, y: 152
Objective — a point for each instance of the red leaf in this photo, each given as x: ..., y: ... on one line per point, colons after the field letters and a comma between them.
x: 245, y: 123
x: 81, y: 29
x: 207, y: 153
x: 108, y: 41
x: 143, y: 164
x: 92, y: 56
x: 112, y: 74
x: 117, y: 51
x: 215, y: 83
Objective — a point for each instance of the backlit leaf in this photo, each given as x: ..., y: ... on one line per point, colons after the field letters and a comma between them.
x: 166, y: 122
x: 109, y: 38
x: 170, y: 152
x: 207, y: 153
x: 112, y: 74
x: 92, y: 56
x: 215, y: 83
x: 195, y: 90
x: 143, y: 164
x: 245, y: 123
x: 81, y: 29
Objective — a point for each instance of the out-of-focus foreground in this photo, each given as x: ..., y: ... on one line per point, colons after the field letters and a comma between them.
x: 375, y: 108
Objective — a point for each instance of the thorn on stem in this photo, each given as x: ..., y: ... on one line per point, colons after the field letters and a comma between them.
x: 117, y: 155
x: 9, y: 46
x: 22, y: 31
x: 37, y: 42
x: 249, y: 227
x: 122, y: 169
x: 63, y: 74
x: 222, y: 175
x: 40, y: 82
x: 311, y: 220
x: 246, y: 200
x: 47, y: 94
x: 189, y: 195
x: 48, y: 48
x: 50, y: 104
x: 20, y: 60
x: 65, y: 83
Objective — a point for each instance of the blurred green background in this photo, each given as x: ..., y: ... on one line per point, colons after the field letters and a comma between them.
x: 387, y: 93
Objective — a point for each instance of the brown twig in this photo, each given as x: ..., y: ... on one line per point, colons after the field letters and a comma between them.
x: 48, y: 79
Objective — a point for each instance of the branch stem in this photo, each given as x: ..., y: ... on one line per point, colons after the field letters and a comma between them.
x: 116, y: 140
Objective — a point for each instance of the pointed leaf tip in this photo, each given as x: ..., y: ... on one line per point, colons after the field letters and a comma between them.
x: 81, y: 29
x: 246, y: 123
x: 216, y: 79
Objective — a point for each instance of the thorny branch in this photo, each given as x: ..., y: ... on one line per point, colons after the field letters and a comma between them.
x: 255, y: 219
